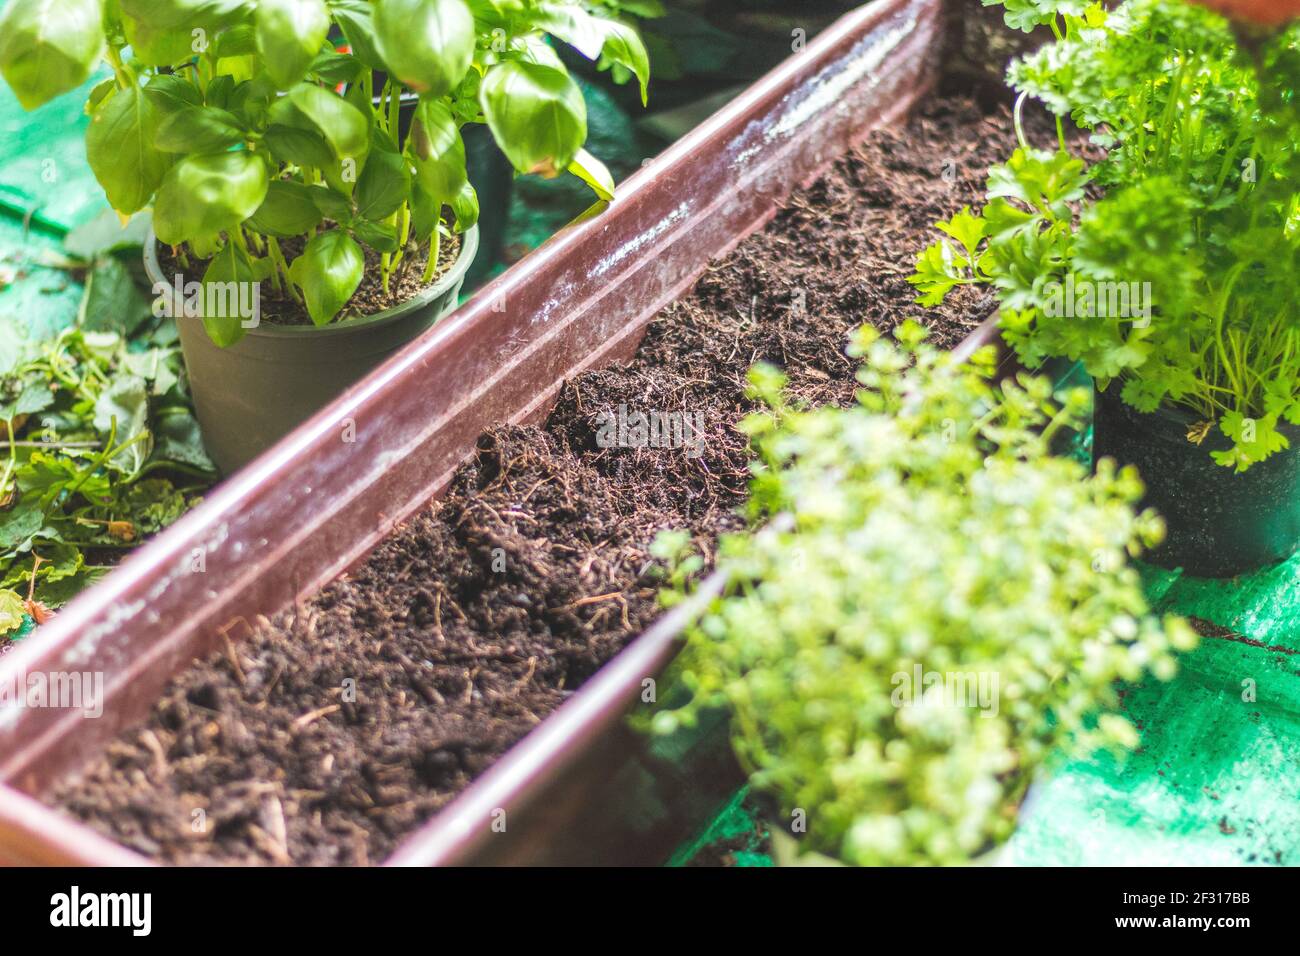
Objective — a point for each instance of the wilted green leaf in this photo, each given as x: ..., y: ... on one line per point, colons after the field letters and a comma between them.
x: 35, y: 396
x: 112, y: 302
x: 177, y: 439
x: 105, y: 234
x: 18, y: 524
x: 127, y: 400
x: 13, y: 610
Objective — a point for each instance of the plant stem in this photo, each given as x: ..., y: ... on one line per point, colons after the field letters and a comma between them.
x: 49, y: 444
x: 395, y: 112
x: 435, y: 243
x: 12, y: 463
x: 281, y: 266
x: 120, y: 72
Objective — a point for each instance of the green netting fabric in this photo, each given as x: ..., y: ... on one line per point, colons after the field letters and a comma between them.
x: 1216, y: 778
x: 44, y: 173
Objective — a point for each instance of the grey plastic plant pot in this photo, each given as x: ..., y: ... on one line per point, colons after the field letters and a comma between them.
x: 1220, y: 523
x: 251, y: 394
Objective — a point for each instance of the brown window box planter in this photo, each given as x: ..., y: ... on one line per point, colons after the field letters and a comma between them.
x: 316, y: 504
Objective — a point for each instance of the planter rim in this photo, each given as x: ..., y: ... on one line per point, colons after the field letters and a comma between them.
x: 1170, y: 422
x: 464, y: 259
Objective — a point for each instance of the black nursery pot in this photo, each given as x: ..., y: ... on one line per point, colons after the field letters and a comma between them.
x: 1220, y: 523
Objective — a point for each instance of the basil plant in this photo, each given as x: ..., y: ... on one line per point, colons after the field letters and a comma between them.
x: 248, y: 122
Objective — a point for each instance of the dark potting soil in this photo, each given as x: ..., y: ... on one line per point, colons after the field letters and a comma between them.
x: 280, y: 308
x: 336, y: 729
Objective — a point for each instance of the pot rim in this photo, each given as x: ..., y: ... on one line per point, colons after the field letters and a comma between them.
x: 1177, y: 416
x: 449, y: 280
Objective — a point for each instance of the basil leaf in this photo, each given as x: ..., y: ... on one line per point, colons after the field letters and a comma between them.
x: 438, y: 150
x: 623, y: 46
x: 332, y: 205
x: 301, y: 147
x: 203, y: 130
x: 355, y: 19
x: 536, y: 114
x: 594, y: 173
x: 230, y: 268
x: 329, y: 270
x: 156, y: 46
x: 120, y: 150
x: 597, y: 38
x: 427, y: 44
x: 384, y: 185
x: 344, y: 127
x: 379, y: 236
x: 334, y: 68
x: 203, y: 195
x: 465, y: 206
x: 426, y: 212
x: 290, y: 33
x: 186, y: 14
x: 239, y: 40
x: 288, y: 210
x: 48, y: 47
x: 168, y: 92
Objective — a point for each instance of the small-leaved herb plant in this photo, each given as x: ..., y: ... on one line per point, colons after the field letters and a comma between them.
x: 248, y: 122
x: 1197, y: 228
x: 946, y: 606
